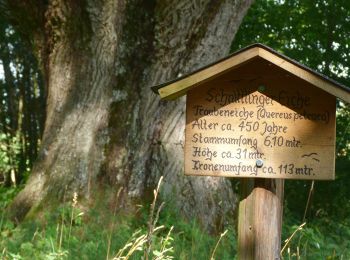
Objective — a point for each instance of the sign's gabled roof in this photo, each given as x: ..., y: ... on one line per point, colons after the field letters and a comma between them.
x: 179, y: 86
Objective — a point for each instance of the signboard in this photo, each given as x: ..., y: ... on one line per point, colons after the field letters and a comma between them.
x: 273, y: 128
x: 258, y: 114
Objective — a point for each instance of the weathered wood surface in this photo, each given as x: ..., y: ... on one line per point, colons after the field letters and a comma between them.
x: 307, y: 76
x: 179, y: 88
x: 258, y: 112
x: 183, y: 85
x: 260, y: 219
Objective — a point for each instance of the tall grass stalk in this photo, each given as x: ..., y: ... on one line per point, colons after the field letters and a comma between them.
x: 290, y: 238
x: 152, y: 221
x: 129, y: 244
x: 62, y: 223
x: 307, y: 206
x: 135, y: 243
x: 164, y: 249
x: 144, y: 241
x: 298, y: 253
x: 217, y: 244
x: 61, y: 232
x: 2, y: 218
x: 74, y: 203
x: 113, y: 223
x: 3, y: 253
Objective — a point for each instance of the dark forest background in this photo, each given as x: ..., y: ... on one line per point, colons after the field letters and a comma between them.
x: 315, y: 33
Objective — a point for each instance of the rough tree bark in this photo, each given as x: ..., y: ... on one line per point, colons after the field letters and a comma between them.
x: 103, y: 124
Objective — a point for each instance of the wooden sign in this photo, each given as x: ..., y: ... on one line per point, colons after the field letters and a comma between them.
x: 273, y: 126
x: 258, y: 114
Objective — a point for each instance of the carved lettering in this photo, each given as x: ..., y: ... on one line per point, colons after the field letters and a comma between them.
x: 287, y: 129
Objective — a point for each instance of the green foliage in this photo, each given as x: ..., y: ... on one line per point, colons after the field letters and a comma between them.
x: 55, y: 236
x: 75, y: 232
x: 9, y: 151
x: 322, y: 238
x: 343, y: 131
x: 22, y: 101
x: 316, y: 33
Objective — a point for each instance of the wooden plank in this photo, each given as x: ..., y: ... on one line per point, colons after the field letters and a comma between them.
x: 180, y: 87
x: 260, y: 219
x: 289, y: 126
x: 305, y: 75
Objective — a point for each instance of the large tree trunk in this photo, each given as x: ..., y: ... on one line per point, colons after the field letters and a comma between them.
x: 103, y: 124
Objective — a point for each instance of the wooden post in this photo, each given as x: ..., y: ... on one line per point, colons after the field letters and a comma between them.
x: 260, y: 219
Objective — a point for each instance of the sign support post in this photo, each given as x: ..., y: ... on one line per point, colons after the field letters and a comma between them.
x: 260, y: 218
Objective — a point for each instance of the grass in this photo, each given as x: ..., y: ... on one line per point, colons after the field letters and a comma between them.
x: 156, y: 233
x: 70, y: 233
x: 323, y: 237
